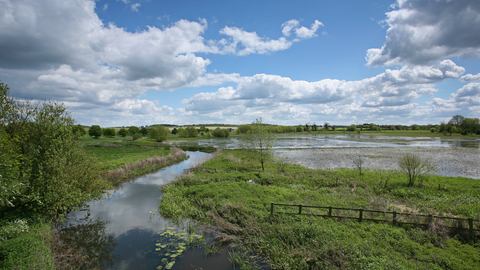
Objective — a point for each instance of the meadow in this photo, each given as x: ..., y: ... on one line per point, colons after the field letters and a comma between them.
x: 231, y: 193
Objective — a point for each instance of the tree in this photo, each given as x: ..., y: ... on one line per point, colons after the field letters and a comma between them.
x: 192, y: 132
x: 414, y: 167
x: 48, y: 167
x: 95, y: 131
x: 456, y: 120
x: 78, y: 130
x: 159, y: 133
x: 259, y: 142
x: 471, y: 125
x: 133, y: 130
x: 221, y: 133
x: 326, y: 125
x: 174, y: 131
x: 144, y: 131
x: 352, y: 127
x: 122, y: 132
x: 182, y: 133
x: 358, y: 160
x: 109, y: 132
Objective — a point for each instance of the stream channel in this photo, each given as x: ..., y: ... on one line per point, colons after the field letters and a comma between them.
x: 124, y: 229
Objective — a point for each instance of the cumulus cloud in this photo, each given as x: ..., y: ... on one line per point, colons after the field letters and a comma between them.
x: 242, y: 42
x: 135, y: 7
x: 422, y: 32
x: 383, y: 94
x: 470, y: 78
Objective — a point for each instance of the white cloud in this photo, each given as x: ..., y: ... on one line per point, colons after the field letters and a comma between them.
x: 288, y: 26
x: 105, y: 7
x: 304, y: 32
x: 422, y: 32
x: 470, y: 78
x: 393, y: 91
x: 135, y: 7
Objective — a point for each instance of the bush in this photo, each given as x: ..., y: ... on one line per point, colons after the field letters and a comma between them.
x: 109, y: 132
x: 221, y: 133
x: 414, y: 167
x: 159, y: 133
x: 133, y: 130
x: 136, y: 136
x: 95, y: 131
x: 144, y: 131
x: 79, y: 131
x: 122, y: 132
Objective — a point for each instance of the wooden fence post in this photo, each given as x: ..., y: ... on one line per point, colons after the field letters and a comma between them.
x: 360, y: 216
x: 271, y: 208
x: 394, y: 221
x: 330, y: 211
x: 299, y: 209
x: 470, y: 228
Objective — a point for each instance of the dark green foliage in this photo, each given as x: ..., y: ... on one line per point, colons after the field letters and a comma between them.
x: 109, y: 132
x: 122, y: 132
x: 79, y: 131
x: 95, y: 131
x: 221, y: 133
x: 244, y: 129
x: 472, y: 125
x: 189, y: 132
x: 174, y: 131
x: 136, y: 136
x: 133, y: 130
x: 159, y: 133
x: 144, y: 131
x: 352, y: 127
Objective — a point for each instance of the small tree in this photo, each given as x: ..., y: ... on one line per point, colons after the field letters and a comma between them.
x: 159, y: 133
x: 109, y: 132
x: 122, y: 132
x: 95, y: 131
x: 144, y: 131
x: 79, y: 131
x: 259, y: 142
x: 174, y: 131
x: 133, y: 130
x: 359, y: 160
x: 136, y: 136
x: 414, y: 167
x: 192, y: 132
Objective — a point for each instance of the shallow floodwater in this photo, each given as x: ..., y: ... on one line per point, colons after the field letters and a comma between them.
x: 122, y: 230
x: 452, y: 156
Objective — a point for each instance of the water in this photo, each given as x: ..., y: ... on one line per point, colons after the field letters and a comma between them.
x: 122, y: 230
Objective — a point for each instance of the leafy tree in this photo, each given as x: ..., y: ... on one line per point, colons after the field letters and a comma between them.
x: 47, y: 167
x: 471, y: 125
x: 352, y: 127
x: 414, y: 167
x: 174, y: 131
x: 136, y: 136
x: 299, y: 128
x: 182, y: 133
x: 159, y: 133
x: 133, y: 130
x: 221, y: 133
x: 456, y: 120
x: 109, y: 132
x: 144, y: 131
x: 192, y: 132
x: 259, y: 142
x: 244, y: 129
x: 326, y: 125
x: 95, y: 131
x: 122, y: 132
x: 79, y: 131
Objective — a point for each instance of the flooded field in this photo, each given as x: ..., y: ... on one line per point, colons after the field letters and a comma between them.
x: 452, y: 156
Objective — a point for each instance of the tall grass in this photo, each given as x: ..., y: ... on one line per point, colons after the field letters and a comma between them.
x: 131, y: 170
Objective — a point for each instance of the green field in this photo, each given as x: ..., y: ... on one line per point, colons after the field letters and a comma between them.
x: 220, y: 193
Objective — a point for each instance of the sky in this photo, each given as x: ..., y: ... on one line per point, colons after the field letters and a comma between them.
x: 143, y: 62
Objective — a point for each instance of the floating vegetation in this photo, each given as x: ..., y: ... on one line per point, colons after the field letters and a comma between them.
x: 172, y: 244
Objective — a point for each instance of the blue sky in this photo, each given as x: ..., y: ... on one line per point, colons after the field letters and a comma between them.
x: 143, y: 62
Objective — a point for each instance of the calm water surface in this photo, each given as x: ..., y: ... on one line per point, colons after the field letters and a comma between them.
x: 121, y: 231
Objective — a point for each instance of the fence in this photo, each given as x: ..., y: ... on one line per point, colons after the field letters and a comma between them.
x: 372, y: 215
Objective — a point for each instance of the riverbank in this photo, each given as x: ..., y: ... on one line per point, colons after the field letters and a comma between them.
x: 231, y: 193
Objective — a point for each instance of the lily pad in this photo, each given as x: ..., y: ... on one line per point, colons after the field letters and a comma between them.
x: 169, y: 265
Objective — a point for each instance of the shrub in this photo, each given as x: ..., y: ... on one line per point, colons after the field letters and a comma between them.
x: 144, y: 131
x: 159, y: 133
x: 79, y: 131
x: 133, y: 130
x: 414, y: 167
x: 122, y: 132
x: 136, y: 136
x: 109, y: 132
x: 221, y: 133
x: 95, y: 131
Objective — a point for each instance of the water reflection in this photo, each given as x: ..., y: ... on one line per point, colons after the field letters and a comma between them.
x: 125, y: 232
x: 341, y: 141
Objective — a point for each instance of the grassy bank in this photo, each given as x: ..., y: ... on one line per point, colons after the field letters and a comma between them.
x: 231, y: 193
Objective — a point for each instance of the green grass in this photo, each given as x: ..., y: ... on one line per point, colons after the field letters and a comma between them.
x: 225, y: 198
x: 113, y: 157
